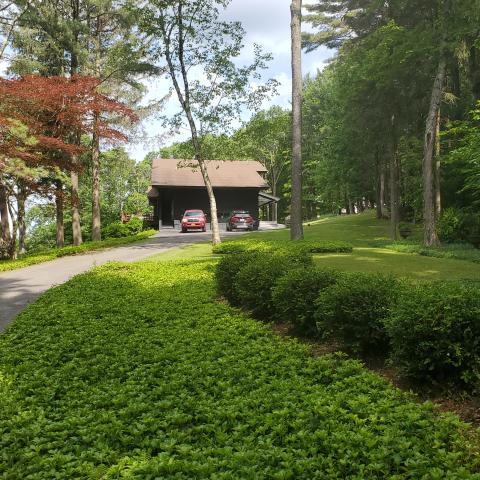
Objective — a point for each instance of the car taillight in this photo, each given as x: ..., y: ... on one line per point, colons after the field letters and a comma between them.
x: 235, y: 219
x: 249, y: 219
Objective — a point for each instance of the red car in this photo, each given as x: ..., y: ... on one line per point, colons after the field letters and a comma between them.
x: 194, y: 220
x: 240, y: 219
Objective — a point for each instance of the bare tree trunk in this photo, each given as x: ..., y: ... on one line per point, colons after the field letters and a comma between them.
x: 5, y: 224
x: 96, y: 221
x: 274, y: 204
x: 213, y: 203
x: 382, y: 192
x: 76, y: 229
x: 380, y: 185
x: 296, y: 227
x: 11, y: 247
x: 59, y: 214
x: 394, y: 200
x: 429, y: 224
x: 22, y: 229
x: 438, y: 189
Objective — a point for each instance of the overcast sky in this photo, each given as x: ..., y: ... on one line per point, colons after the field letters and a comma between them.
x: 267, y: 23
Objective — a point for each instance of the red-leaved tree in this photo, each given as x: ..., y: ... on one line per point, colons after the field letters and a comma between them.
x: 41, y: 119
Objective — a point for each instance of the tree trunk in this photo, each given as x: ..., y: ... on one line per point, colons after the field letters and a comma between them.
x: 96, y: 221
x: 213, y: 203
x: 430, y: 237
x: 438, y: 189
x: 274, y: 204
x: 76, y: 229
x: 59, y: 213
x: 22, y: 230
x: 5, y: 224
x: 380, y: 185
x: 394, y: 200
x: 296, y: 227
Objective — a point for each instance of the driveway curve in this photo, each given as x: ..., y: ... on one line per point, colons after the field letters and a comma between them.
x: 20, y: 287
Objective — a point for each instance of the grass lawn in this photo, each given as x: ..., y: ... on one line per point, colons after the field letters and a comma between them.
x: 47, y: 255
x: 363, y: 231
x: 135, y: 371
x: 366, y: 233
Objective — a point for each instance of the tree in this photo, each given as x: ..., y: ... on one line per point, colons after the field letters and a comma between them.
x: 296, y: 229
x: 199, y: 50
x: 267, y: 138
x: 37, y: 116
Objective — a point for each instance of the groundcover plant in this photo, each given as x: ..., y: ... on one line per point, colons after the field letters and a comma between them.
x: 136, y: 371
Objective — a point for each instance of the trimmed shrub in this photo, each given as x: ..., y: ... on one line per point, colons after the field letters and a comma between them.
x: 254, y: 282
x: 278, y: 246
x: 294, y: 296
x: 435, y: 333
x: 134, y: 225
x: 226, y: 272
x: 355, y: 308
x: 116, y: 230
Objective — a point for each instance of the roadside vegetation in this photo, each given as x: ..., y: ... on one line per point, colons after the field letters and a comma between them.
x: 163, y: 381
x: 51, y: 254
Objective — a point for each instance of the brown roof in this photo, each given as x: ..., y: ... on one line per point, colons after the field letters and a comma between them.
x: 229, y: 173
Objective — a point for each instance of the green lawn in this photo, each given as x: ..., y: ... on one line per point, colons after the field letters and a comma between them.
x: 47, y: 255
x: 365, y: 233
x: 135, y: 371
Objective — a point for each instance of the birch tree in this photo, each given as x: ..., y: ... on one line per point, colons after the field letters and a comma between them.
x: 198, y: 51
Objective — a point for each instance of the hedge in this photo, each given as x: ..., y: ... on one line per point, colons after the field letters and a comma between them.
x: 272, y: 246
x: 435, y: 334
x: 294, y: 296
x: 254, y: 281
x: 355, y: 309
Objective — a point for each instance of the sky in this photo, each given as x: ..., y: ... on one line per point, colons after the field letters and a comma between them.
x: 267, y: 23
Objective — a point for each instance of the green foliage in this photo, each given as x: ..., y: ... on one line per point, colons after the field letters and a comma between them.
x: 226, y: 272
x: 450, y: 225
x: 47, y: 255
x: 116, y: 230
x: 435, y: 334
x: 134, y: 225
x: 119, y: 229
x: 254, y: 245
x: 137, y: 204
x: 294, y: 295
x: 134, y: 371
x: 354, y: 310
x: 457, y: 225
x: 254, y: 282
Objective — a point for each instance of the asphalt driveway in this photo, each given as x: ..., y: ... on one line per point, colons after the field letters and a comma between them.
x: 20, y: 287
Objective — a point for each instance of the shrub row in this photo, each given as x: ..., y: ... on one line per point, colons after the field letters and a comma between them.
x: 430, y: 330
x: 279, y: 246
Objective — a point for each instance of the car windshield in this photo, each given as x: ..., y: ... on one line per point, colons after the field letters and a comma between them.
x: 193, y: 214
x: 241, y: 215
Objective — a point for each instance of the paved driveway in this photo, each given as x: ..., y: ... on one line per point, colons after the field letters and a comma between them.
x: 20, y: 287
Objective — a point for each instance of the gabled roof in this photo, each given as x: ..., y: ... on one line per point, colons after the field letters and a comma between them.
x: 168, y: 172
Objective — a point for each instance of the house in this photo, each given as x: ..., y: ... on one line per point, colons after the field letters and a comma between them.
x: 177, y: 185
